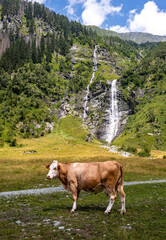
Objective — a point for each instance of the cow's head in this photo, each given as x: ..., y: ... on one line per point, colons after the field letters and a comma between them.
x: 53, y: 170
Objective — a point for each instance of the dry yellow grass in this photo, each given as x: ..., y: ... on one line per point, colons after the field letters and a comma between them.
x: 54, y: 146
x: 19, y: 170
x: 158, y: 153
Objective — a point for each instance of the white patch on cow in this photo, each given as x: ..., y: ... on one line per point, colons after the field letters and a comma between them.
x: 75, y: 164
x: 53, y: 173
x: 54, y: 164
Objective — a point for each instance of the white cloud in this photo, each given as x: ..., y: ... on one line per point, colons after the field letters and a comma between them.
x: 119, y: 29
x: 39, y: 1
x: 70, y: 7
x: 133, y: 11
x: 95, y: 12
x: 74, y: 2
x: 151, y: 20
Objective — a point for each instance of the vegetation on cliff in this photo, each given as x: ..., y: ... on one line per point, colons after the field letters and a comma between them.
x: 144, y: 86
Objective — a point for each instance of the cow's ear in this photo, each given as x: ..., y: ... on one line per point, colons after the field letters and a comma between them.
x: 48, y: 166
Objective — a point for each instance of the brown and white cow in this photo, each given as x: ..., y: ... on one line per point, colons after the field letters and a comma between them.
x: 91, y: 177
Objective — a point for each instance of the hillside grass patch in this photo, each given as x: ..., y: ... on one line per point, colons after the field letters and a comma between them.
x: 147, y: 126
x: 105, y: 71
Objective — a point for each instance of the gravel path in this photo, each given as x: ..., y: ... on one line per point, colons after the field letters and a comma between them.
x: 61, y: 189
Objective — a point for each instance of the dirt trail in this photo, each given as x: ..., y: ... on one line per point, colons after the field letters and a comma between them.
x: 61, y: 189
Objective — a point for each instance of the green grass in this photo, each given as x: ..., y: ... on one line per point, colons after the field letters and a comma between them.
x: 106, y: 71
x: 83, y: 52
x: 71, y: 126
x: 33, y: 217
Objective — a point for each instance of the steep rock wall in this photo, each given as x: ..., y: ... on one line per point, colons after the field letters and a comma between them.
x: 98, y: 105
x: 98, y: 120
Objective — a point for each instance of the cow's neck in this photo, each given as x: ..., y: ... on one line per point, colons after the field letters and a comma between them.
x: 63, y: 174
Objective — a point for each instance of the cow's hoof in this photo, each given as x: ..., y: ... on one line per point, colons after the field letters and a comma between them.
x: 106, y: 213
x: 72, y: 211
x: 122, y: 212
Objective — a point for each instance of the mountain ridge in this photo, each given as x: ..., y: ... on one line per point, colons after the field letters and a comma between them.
x: 138, y: 37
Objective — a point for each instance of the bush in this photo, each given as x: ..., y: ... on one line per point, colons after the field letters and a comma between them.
x: 131, y: 149
x: 150, y: 116
x: 1, y: 143
x: 13, y: 143
x: 128, y: 149
x: 145, y: 152
x: 164, y: 157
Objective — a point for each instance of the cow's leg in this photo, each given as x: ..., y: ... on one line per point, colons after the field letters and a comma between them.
x: 111, y: 202
x: 122, y: 198
x: 75, y: 194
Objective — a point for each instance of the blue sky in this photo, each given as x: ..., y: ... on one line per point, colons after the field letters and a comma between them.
x: 118, y: 15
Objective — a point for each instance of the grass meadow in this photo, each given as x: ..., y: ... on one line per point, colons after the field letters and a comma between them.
x: 47, y: 216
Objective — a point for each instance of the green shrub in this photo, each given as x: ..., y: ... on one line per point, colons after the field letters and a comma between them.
x: 13, y: 143
x: 145, y: 152
x: 130, y: 149
x: 1, y: 143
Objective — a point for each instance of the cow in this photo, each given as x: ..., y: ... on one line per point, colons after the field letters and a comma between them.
x: 92, y: 177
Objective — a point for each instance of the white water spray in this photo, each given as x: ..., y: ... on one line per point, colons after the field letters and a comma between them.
x: 113, y: 115
x: 87, y: 90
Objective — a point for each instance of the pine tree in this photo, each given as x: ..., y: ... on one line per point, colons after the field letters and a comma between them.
x: 34, y: 51
x: 42, y: 44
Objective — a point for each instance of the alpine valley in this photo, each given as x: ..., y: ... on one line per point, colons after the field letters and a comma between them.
x: 52, y: 68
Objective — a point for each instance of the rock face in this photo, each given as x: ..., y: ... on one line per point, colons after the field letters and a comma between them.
x: 87, y: 90
x: 99, y: 106
x: 98, y: 99
x: 4, y: 41
x: 12, y: 23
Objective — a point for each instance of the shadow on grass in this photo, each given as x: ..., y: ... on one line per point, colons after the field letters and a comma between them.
x: 80, y: 208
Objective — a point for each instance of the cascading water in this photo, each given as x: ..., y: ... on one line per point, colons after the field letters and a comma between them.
x: 87, y: 90
x: 114, y: 117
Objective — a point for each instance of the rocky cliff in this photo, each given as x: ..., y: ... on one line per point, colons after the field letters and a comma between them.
x: 99, y: 98
x: 100, y: 102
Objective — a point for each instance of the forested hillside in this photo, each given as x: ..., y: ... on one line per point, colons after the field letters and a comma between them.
x: 47, y: 62
x: 35, y: 67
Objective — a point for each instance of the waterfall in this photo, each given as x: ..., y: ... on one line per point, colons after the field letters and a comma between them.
x: 85, y: 107
x: 114, y: 117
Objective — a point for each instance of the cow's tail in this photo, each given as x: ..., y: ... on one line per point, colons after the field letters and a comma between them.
x: 120, y: 179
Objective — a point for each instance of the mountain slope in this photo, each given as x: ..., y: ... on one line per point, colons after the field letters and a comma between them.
x: 137, y: 37
x: 144, y: 87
